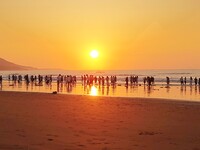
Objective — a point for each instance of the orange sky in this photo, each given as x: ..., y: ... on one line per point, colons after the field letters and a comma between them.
x: 129, y: 34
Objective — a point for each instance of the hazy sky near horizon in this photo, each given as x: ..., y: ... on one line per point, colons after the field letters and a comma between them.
x: 129, y: 34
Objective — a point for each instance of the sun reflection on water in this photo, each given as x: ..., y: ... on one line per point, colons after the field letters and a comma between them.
x: 93, y: 91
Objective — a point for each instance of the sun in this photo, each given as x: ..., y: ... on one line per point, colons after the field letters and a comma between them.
x: 94, y: 54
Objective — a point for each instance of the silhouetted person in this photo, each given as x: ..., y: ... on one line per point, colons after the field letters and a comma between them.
x: 1, y: 79
x: 144, y: 80
x: 107, y: 81
x: 168, y: 80
x: 195, y: 81
x: 152, y: 80
x: 103, y: 81
x: 99, y: 80
x: 181, y: 80
x: 185, y: 80
x: 131, y: 80
x: 191, y: 80
x: 148, y: 81
x: 126, y: 80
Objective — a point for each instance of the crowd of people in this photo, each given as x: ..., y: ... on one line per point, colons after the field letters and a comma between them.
x: 65, y: 80
x: 98, y: 80
x: 134, y: 81
x: 33, y: 79
x: 15, y: 78
x: 70, y: 80
x: 192, y: 80
x: 149, y: 80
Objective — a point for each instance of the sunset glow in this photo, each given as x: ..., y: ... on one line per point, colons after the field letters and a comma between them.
x: 142, y: 33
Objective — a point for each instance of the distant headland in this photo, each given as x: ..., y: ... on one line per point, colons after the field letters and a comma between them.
x: 6, y: 66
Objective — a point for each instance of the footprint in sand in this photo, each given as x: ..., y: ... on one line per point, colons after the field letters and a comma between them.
x: 80, y: 145
x: 149, y: 133
x: 51, y: 135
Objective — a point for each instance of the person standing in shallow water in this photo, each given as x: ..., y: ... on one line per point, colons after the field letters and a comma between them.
x: 126, y: 80
x: 1, y: 79
x: 144, y: 80
x: 168, y: 80
x: 181, y: 80
x: 195, y: 81
x: 191, y: 80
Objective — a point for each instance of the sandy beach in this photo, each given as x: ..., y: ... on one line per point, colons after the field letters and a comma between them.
x: 38, y: 121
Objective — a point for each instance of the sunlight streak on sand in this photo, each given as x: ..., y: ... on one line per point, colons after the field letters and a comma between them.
x: 94, y: 91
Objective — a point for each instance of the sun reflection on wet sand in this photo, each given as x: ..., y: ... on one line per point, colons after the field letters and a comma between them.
x: 93, y: 91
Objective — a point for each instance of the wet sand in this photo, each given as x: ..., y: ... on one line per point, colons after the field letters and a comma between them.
x: 38, y: 121
x: 176, y: 92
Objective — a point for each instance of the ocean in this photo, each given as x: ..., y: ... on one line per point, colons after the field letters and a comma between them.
x: 175, y: 91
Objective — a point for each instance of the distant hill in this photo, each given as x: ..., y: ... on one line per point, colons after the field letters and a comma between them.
x: 6, y: 65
